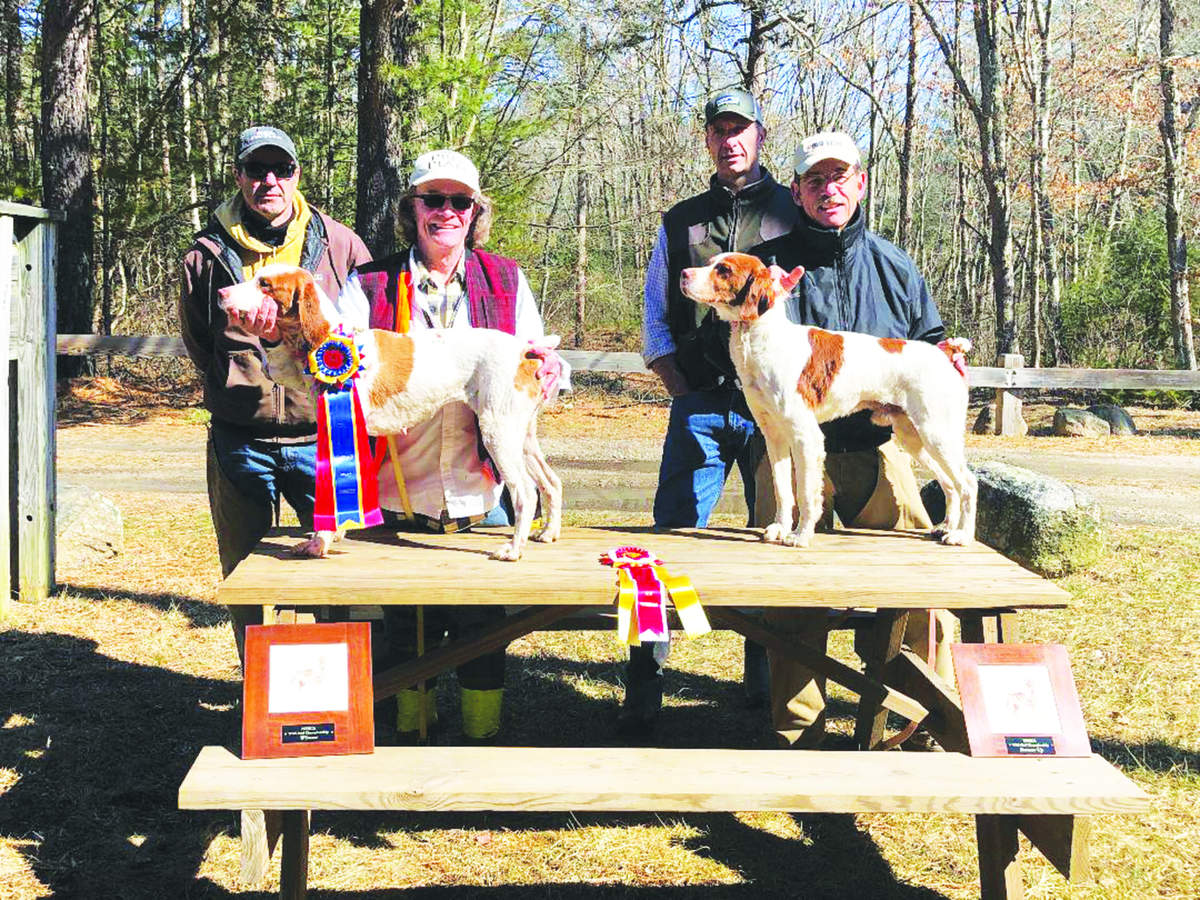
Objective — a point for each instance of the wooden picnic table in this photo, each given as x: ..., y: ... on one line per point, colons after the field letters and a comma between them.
x: 731, y: 568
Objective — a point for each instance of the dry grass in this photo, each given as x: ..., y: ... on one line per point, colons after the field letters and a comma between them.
x: 112, y: 685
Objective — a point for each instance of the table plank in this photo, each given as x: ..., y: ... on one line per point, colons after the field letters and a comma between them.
x: 728, y: 566
x: 532, y: 779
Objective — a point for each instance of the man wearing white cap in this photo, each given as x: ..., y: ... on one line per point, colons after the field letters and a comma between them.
x: 854, y: 280
x: 710, y: 428
x: 440, y: 479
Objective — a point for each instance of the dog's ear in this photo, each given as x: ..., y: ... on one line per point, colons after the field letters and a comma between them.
x: 761, y: 295
x: 314, y: 327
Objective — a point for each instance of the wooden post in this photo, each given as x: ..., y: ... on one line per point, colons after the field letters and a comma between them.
x: 293, y: 862
x: 1007, y: 410
x: 32, y: 324
x: 6, y: 294
x: 999, y: 869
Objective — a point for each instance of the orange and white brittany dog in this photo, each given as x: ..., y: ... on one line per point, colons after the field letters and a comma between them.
x: 406, y: 378
x: 796, y: 377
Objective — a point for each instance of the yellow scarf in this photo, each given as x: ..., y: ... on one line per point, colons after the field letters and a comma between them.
x: 255, y: 254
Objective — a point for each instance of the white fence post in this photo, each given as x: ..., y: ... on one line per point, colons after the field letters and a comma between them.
x: 1007, y: 413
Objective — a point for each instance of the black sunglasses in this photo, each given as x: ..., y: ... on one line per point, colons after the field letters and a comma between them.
x: 259, y: 170
x: 461, y: 202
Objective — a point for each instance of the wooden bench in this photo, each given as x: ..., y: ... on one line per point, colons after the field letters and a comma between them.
x: 1038, y: 797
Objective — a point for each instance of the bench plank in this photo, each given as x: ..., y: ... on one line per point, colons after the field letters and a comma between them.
x: 547, y: 779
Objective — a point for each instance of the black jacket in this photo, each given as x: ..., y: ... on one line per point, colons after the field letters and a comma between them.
x: 698, y: 229
x: 854, y: 280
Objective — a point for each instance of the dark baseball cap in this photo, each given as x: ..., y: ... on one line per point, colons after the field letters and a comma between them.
x: 257, y: 136
x: 735, y: 101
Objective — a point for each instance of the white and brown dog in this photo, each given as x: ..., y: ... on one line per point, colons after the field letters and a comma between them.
x: 409, y: 377
x: 796, y: 377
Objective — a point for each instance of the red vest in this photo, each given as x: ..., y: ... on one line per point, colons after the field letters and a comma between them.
x: 491, y: 289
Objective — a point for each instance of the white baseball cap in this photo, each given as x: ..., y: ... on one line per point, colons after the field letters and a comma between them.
x: 826, y: 145
x: 447, y: 164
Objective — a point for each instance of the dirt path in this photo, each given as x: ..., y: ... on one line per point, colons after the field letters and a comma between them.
x: 619, y: 471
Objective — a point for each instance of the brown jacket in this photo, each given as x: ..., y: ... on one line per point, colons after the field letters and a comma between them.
x: 237, y: 390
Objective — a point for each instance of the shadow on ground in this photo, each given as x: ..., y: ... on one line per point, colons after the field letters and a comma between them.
x: 101, y: 745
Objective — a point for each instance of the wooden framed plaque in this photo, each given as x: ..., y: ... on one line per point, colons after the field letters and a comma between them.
x: 1019, y: 700
x: 307, y: 690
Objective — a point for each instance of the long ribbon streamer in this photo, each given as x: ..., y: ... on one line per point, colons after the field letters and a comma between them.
x: 347, y: 490
x: 643, y: 587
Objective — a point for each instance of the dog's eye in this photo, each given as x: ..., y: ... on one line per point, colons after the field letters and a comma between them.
x: 722, y: 269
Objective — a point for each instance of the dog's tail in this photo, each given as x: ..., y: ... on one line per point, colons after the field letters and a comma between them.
x: 956, y: 350
x: 554, y: 372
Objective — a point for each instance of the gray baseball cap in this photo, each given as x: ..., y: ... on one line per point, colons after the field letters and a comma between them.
x: 257, y: 136
x: 735, y: 101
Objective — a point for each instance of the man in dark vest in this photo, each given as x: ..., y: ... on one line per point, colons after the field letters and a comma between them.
x: 710, y: 427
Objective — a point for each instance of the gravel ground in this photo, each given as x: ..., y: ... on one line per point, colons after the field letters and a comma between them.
x: 601, y: 472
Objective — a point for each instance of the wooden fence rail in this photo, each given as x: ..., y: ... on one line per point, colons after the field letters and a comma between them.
x: 1011, y: 377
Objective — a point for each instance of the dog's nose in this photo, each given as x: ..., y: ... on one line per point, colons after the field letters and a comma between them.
x: 222, y: 296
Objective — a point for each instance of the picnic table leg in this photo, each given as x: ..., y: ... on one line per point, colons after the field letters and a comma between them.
x: 882, y: 645
x: 988, y: 627
x: 999, y: 870
x: 260, y: 832
x: 293, y: 863
x: 1063, y: 840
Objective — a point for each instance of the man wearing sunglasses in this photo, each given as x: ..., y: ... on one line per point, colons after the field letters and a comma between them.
x: 854, y: 280
x: 710, y: 428
x: 262, y: 437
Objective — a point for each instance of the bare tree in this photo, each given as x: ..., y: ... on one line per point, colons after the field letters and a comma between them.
x: 990, y: 112
x: 1181, y: 312
x: 386, y: 29
x: 67, y: 156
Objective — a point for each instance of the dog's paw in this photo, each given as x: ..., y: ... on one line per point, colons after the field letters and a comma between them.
x: 316, y: 547
x: 957, y: 538
x: 507, y: 553
x: 797, y: 539
x: 547, y: 534
x: 773, y: 533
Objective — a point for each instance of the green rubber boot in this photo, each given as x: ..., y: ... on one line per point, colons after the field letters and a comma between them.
x: 481, y: 713
x: 408, y: 711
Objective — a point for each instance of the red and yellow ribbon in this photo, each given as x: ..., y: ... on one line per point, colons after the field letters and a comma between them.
x: 643, y: 586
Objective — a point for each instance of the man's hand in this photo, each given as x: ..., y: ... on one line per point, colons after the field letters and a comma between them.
x: 670, y: 375
x: 786, y: 280
x: 260, y: 322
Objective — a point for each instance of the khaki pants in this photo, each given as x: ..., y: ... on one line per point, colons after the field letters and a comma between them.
x: 870, y: 489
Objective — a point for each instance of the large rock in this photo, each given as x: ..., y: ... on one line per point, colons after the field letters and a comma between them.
x: 1119, y: 421
x: 1079, y: 423
x: 88, y: 526
x: 1040, y: 522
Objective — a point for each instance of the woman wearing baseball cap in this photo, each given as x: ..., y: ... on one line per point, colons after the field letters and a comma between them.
x: 441, y: 480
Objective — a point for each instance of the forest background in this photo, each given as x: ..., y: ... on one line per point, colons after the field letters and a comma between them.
x: 1036, y: 157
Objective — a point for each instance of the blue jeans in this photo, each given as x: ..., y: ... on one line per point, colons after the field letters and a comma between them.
x: 246, y: 479
x: 708, y: 432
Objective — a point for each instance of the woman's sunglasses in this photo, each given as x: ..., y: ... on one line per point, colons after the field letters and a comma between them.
x: 460, y: 202
x: 259, y: 170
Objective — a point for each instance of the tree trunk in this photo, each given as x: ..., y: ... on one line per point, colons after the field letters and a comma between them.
x: 386, y: 29
x: 581, y: 195
x: 12, y: 43
x: 1181, y: 312
x: 904, y: 223
x: 67, y: 183
x: 185, y: 99
x: 989, y: 111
